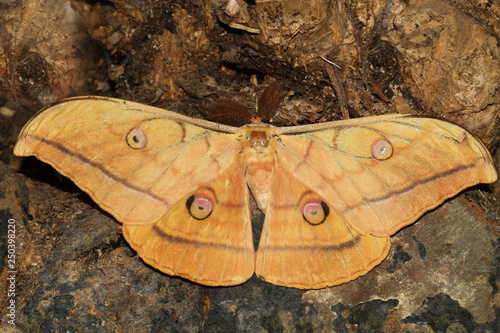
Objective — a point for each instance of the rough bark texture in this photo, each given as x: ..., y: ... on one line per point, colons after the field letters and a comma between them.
x: 74, y: 270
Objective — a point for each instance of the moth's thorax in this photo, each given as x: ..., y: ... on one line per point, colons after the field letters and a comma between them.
x: 258, y: 140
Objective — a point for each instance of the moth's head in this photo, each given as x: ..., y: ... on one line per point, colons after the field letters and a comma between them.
x: 258, y: 139
x: 257, y: 134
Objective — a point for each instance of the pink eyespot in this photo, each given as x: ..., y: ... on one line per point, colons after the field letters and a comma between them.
x: 314, y: 211
x: 136, y: 138
x: 382, y: 149
x: 200, y: 206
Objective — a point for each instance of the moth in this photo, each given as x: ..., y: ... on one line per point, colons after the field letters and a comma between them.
x: 332, y: 193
